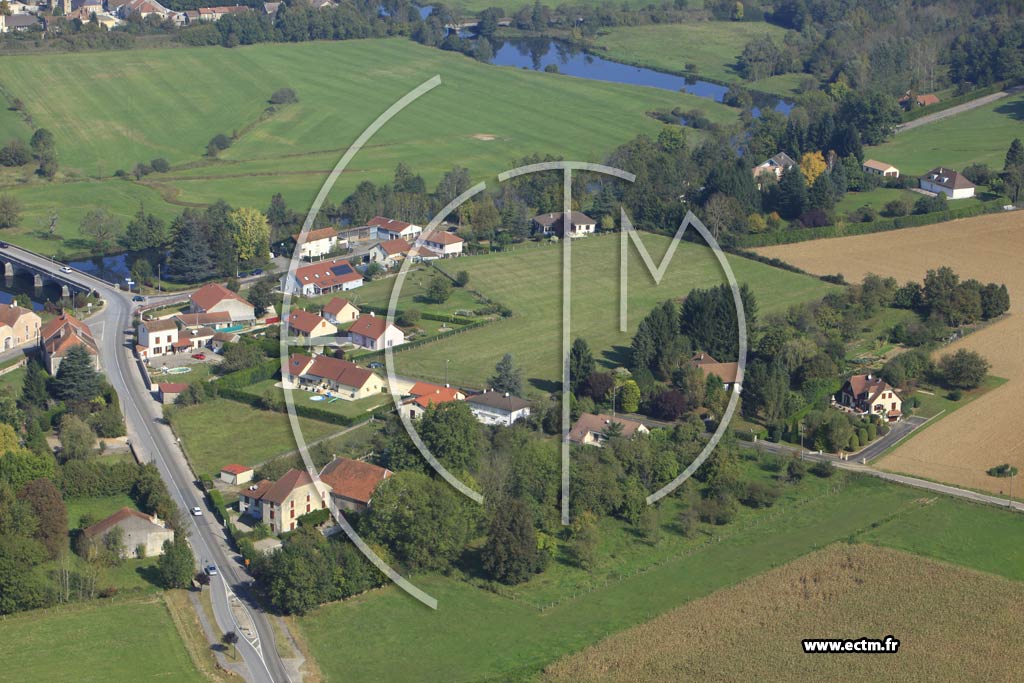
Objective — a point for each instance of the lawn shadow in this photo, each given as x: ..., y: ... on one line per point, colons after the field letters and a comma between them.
x: 149, y: 574
x: 1014, y: 109
x: 617, y: 356
x: 545, y: 385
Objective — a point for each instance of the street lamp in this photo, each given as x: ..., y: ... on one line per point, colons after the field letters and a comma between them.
x: 446, y: 362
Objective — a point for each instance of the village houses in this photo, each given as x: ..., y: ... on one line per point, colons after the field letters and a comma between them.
x: 333, y: 376
x: 309, y: 325
x: 391, y: 229
x: 548, y: 224
x: 319, y: 243
x: 375, y: 333
x: 726, y: 372
x: 60, y: 335
x: 871, y: 395
x: 948, y: 182
x: 445, y: 244
x: 352, y: 482
x: 18, y: 326
x: 279, y: 504
x: 422, y: 395
x: 323, y: 277
x: 214, y: 298
x: 340, y: 311
x: 497, y: 408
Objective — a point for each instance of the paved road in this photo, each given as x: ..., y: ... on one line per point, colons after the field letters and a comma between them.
x: 154, y: 442
x: 958, y: 109
x: 934, y: 486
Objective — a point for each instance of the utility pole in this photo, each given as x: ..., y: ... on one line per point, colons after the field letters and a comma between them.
x: 446, y: 362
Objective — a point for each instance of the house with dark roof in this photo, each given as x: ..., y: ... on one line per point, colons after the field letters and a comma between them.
x: 308, y: 325
x: 217, y: 320
x: 548, y: 224
x: 142, y: 535
x: 392, y: 229
x: 946, y: 181
x: 375, y: 333
x: 18, y: 22
x: 332, y: 377
x: 60, y: 335
x: 324, y: 277
x: 18, y: 326
x: 776, y: 166
x: 352, y: 482
x: 497, y: 408
x: 216, y: 298
x: 340, y: 311
x: 279, y: 504
x: 871, y: 395
x: 593, y: 430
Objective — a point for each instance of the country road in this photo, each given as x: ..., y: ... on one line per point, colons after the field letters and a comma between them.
x: 153, y: 442
x: 958, y: 109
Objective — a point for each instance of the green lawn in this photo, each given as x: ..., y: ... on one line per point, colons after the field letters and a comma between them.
x: 13, y: 380
x: 110, y: 111
x: 876, y: 199
x: 528, y: 280
x: 219, y: 432
x: 378, y: 293
x: 981, y: 136
x: 97, y: 508
x: 937, y: 400
x: 340, y: 407
x: 125, y: 640
x: 713, y: 46
x: 477, y: 635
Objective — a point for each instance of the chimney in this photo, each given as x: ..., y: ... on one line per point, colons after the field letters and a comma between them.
x: 869, y: 376
x: 372, y: 314
x: 507, y: 394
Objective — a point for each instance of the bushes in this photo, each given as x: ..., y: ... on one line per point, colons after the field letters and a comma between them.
x: 759, y: 495
x: 284, y: 96
x: 718, y: 510
x: 822, y: 469
x: 1004, y: 470
x: 963, y: 369
x: 315, y: 518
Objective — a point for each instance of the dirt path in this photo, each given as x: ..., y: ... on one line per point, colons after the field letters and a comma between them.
x: 986, y: 432
x: 958, y: 109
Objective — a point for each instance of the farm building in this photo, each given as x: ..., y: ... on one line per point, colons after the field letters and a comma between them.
x: 236, y: 475
x: 138, y: 532
x: 880, y: 168
x: 948, y: 182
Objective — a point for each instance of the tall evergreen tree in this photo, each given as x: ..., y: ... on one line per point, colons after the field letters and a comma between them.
x: 792, y: 194
x: 77, y: 379
x: 511, y: 554
x: 507, y: 377
x: 190, y: 258
x: 581, y: 364
x: 33, y: 387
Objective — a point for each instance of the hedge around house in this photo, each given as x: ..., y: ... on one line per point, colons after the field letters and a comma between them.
x: 793, y: 235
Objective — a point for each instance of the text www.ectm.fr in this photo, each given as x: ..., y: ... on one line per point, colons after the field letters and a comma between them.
x: 887, y: 644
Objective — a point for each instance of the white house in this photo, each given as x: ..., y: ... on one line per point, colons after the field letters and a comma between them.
x: 548, y: 224
x: 497, y: 408
x: 776, y: 166
x: 871, y: 395
x: 323, y: 277
x: 447, y: 244
x: 157, y: 338
x: 389, y: 253
x: 319, y: 243
x: 375, y: 333
x: 391, y: 229
x: 948, y: 182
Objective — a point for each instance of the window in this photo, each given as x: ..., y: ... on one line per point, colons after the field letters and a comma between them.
x: 308, y: 507
x: 293, y: 514
x: 293, y: 526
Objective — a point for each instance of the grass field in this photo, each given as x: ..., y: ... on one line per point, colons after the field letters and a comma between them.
x: 212, y: 437
x: 713, y: 46
x: 97, y: 508
x: 528, y: 280
x: 126, y: 640
x: 937, y: 611
x: 339, y: 407
x: 980, y: 135
x: 109, y: 111
x: 984, y: 433
x: 413, y: 295
x: 477, y: 635
x: 876, y: 199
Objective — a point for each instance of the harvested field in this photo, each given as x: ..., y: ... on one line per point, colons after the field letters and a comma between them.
x: 953, y: 624
x: 959, y: 448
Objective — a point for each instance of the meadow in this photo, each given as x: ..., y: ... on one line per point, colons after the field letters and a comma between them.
x: 110, y: 110
x: 713, y: 46
x: 211, y: 443
x: 939, y: 613
x: 479, y: 635
x: 984, y: 433
x: 528, y: 280
x: 123, y: 640
x: 978, y: 136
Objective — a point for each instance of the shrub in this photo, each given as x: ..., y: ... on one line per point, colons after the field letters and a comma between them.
x: 1004, y: 470
x: 462, y: 278
x: 315, y: 518
x: 955, y: 395
x: 822, y: 469
x: 160, y: 165
x: 759, y: 495
x: 718, y: 511
x: 284, y: 96
x: 897, y: 207
x: 796, y: 469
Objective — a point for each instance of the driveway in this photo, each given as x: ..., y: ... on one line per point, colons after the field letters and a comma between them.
x: 897, y: 433
x: 958, y: 109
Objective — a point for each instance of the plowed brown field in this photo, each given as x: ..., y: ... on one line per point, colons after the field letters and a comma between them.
x: 959, y: 447
x: 953, y: 624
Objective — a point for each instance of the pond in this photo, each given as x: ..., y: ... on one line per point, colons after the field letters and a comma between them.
x: 538, y: 53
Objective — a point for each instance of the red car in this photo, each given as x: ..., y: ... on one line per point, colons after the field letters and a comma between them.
x: 199, y: 356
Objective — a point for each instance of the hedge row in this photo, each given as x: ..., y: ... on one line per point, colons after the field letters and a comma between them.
x: 440, y: 317
x: 243, y: 378
x: 918, y: 112
x: 803, y: 234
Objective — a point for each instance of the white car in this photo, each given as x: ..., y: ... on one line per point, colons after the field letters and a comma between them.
x: 197, y: 511
x: 65, y: 269
x: 211, y: 570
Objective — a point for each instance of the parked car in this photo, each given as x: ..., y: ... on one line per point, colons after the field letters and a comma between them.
x: 138, y: 297
x: 199, y: 356
x: 376, y: 365
x: 258, y: 271
x: 4, y: 245
x: 65, y: 269
x: 211, y: 570
x: 197, y: 511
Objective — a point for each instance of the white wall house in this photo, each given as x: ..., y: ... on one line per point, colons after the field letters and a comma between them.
x: 948, y: 182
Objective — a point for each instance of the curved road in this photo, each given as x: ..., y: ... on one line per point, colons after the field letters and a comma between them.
x: 154, y: 442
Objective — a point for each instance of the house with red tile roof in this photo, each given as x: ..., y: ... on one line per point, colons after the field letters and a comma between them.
x: 236, y: 475
x: 340, y: 311
x: 333, y: 377
x: 422, y: 395
x: 60, y: 335
x: 390, y: 253
x: 305, y: 324
x: 375, y: 333
x: 138, y: 530
x: 392, y: 229
x: 323, y: 277
x: 352, y: 482
x: 727, y: 372
x: 871, y: 395
x: 215, y: 298
x: 279, y: 504
x: 592, y: 430
x: 447, y: 244
x: 168, y: 392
